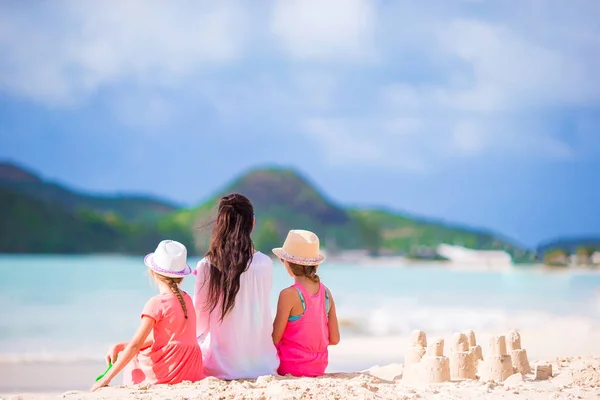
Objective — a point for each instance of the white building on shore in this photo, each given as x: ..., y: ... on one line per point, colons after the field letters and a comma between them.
x: 464, y: 256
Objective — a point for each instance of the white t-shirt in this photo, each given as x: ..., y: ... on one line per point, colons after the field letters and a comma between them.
x: 241, y: 345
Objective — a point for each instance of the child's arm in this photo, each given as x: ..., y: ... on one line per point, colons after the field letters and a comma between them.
x: 132, y: 348
x: 111, y: 357
x: 284, y: 308
x: 334, y: 329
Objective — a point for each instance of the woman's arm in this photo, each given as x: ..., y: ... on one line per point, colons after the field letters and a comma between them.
x: 334, y: 329
x: 284, y: 308
x: 200, y: 298
x: 132, y: 348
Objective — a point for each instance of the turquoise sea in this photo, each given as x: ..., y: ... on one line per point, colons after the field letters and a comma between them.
x: 74, y: 307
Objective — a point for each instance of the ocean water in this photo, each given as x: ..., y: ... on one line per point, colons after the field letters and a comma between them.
x: 74, y: 307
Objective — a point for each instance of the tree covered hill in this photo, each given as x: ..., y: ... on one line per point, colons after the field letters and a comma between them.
x: 47, y: 217
x: 30, y: 225
x: 405, y: 233
x: 284, y: 199
x: 127, y: 207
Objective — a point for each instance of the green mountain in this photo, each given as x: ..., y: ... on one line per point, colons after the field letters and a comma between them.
x: 128, y: 207
x: 406, y: 233
x: 39, y: 216
x: 285, y: 200
x: 30, y: 225
x: 282, y: 200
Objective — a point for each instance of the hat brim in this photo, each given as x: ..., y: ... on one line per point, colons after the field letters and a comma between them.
x: 298, y: 260
x: 149, y: 262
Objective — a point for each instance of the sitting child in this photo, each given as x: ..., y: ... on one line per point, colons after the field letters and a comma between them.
x: 164, y: 349
x: 306, y: 322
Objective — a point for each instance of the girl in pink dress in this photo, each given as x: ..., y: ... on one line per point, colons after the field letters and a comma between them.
x: 164, y: 349
x: 306, y: 321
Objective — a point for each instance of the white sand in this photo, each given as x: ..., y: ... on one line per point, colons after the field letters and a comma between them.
x: 573, y: 379
x: 571, y: 344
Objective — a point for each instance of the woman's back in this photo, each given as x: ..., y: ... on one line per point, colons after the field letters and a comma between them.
x: 239, y: 346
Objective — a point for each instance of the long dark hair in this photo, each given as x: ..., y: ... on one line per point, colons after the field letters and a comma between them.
x: 230, y: 251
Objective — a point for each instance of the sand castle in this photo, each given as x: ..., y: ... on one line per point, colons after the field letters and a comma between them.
x: 434, y: 366
x: 462, y: 363
x: 543, y: 372
x: 518, y: 355
x: 426, y: 363
x: 414, y: 355
x: 474, y: 347
x: 498, y: 364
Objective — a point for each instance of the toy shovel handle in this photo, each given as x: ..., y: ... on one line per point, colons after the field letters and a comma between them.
x: 107, y: 369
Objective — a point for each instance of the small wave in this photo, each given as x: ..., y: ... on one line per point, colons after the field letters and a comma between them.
x: 394, y: 321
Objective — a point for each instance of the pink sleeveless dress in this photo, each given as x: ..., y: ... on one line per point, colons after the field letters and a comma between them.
x: 303, y: 347
x: 175, y: 355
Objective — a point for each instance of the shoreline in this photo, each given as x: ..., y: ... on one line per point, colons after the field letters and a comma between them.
x: 369, y: 261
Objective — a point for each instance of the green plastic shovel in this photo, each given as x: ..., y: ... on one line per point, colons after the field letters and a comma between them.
x: 105, y: 372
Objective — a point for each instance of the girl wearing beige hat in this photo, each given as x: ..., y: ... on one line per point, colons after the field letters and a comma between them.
x: 306, y: 321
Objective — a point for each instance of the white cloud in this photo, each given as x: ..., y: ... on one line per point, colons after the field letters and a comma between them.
x: 510, y: 71
x: 453, y: 78
x: 150, y: 112
x: 350, y: 141
x: 419, y: 145
x: 481, y: 137
x: 468, y: 137
x: 493, y: 84
x: 317, y: 90
x: 331, y: 30
x: 342, y: 143
x: 70, y: 49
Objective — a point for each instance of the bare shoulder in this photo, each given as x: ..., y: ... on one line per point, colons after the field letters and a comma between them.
x: 287, y: 299
x: 288, y: 293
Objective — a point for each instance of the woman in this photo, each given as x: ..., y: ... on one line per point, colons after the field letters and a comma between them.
x: 232, y: 298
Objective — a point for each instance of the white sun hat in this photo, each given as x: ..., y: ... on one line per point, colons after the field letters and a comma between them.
x: 300, y: 247
x: 169, y: 259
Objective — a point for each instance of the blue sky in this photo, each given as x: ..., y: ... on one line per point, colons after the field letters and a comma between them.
x: 473, y: 111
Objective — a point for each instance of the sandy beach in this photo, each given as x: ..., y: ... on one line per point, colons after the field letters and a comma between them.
x: 573, y: 378
x: 571, y: 345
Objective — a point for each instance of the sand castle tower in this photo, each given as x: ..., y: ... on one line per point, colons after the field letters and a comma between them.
x: 498, y: 365
x: 462, y: 365
x: 518, y: 355
x: 434, y: 367
x: 414, y: 355
x: 474, y: 347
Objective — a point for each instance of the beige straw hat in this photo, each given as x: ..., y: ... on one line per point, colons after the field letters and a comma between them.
x: 300, y: 247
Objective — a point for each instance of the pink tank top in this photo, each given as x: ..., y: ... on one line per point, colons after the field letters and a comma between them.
x: 303, y: 347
